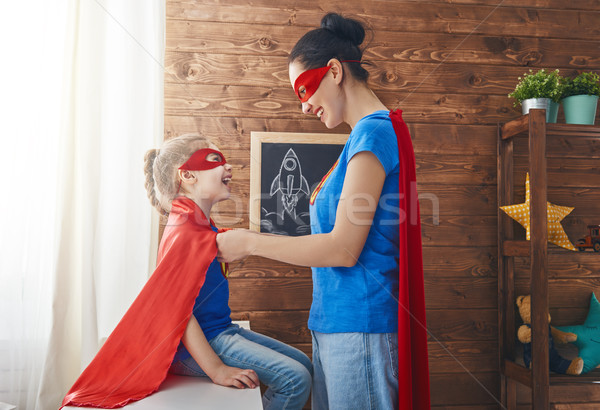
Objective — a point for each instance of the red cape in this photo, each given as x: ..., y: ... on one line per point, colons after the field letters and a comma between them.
x: 136, y: 357
x: 413, y: 366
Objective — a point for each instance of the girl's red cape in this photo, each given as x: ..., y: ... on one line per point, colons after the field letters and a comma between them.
x: 135, y: 359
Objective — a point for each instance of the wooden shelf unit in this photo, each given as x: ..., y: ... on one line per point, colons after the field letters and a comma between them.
x: 533, y: 127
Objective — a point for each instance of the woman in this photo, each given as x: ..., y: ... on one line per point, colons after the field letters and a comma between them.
x: 367, y: 317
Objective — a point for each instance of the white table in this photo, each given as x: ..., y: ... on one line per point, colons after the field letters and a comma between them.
x: 198, y: 393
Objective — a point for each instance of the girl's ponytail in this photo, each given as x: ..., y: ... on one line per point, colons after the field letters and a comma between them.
x: 149, y: 159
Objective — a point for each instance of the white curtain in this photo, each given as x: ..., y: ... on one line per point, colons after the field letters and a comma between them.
x: 81, y: 90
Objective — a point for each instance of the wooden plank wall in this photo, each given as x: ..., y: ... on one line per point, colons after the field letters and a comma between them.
x: 449, y: 65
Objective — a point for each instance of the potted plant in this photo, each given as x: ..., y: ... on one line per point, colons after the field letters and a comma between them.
x: 580, y: 98
x: 539, y: 90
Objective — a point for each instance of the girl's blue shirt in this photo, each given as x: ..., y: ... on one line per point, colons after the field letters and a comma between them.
x: 211, y: 307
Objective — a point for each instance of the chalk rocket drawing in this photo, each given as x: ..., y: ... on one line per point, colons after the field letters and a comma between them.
x: 290, y: 182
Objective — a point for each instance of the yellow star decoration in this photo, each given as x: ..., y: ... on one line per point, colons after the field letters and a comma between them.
x: 556, y: 233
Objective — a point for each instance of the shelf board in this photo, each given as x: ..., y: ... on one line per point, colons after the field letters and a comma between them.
x: 521, y: 124
x: 573, y: 130
x: 522, y: 374
x: 514, y: 247
x: 560, y: 379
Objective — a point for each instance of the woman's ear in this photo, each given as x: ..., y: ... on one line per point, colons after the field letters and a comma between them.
x: 336, y: 69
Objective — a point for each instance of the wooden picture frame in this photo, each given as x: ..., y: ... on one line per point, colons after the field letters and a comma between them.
x: 284, y: 169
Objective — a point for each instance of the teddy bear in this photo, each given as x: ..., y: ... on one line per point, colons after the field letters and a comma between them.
x: 558, y: 364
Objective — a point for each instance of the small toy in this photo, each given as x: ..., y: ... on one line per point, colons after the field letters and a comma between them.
x: 558, y: 364
x: 588, y: 336
x: 591, y: 241
x: 555, y: 214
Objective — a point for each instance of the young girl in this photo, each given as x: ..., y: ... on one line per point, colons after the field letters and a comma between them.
x: 368, y: 313
x: 181, y: 322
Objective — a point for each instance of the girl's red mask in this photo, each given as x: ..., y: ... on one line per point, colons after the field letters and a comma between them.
x: 198, y: 161
x: 309, y: 81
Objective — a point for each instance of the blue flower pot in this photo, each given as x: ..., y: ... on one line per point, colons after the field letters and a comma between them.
x: 580, y: 109
x: 547, y: 104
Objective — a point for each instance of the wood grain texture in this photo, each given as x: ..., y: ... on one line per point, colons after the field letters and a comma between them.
x: 546, y: 4
x: 565, y: 293
x: 460, y: 262
x: 571, y: 394
x: 585, y: 199
x: 443, y: 325
x: 438, y: 262
x: 270, y: 294
x: 463, y: 389
x: 462, y: 357
x: 564, y: 147
x: 416, y: 17
x: 489, y: 48
x: 433, y: 199
x: 259, y: 102
x: 566, y: 172
x: 567, y: 265
x: 295, y: 293
x: 462, y: 325
x: 257, y: 267
x: 287, y: 326
x: 219, y: 69
x: 443, y: 139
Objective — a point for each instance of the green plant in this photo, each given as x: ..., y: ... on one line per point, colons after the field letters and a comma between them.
x: 583, y: 84
x: 542, y: 84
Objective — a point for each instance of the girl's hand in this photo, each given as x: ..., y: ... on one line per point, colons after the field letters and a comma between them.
x: 234, y: 245
x: 232, y: 376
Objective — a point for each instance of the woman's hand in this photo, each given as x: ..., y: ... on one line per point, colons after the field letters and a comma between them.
x: 232, y: 376
x: 234, y: 245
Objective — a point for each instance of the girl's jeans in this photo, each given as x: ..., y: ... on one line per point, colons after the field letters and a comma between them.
x: 355, y: 371
x: 284, y: 369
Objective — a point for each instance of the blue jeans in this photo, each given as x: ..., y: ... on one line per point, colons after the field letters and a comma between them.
x: 284, y: 369
x: 355, y: 371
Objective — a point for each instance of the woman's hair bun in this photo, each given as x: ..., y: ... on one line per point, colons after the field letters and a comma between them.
x: 338, y: 37
x: 344, y: 28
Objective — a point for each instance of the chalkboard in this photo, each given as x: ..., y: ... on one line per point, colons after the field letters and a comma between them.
x: 284, y: 170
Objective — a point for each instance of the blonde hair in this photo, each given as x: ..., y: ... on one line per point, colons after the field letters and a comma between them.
x: 161, y: 165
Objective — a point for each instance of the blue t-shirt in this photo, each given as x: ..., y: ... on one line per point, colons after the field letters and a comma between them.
x: 211, y: 307
x: 362, y: 298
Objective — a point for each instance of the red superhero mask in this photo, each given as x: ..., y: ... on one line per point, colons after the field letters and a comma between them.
x: 198, y: 161
x: 308, y: 82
